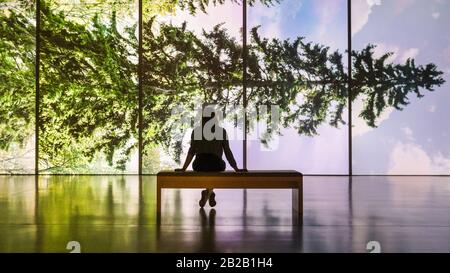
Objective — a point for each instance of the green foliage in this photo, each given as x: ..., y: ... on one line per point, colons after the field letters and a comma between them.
x: 280, y: 71
x: 17, y: 79
x: 89, y: 90
x: 193, y: 6
x: 17, y: 86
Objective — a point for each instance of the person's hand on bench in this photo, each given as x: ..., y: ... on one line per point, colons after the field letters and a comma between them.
x: 240, y: 170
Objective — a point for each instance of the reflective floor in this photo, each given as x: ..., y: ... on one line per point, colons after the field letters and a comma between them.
x: 117, y: 214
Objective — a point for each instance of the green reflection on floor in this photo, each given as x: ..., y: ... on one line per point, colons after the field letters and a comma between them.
x: 103, y: 213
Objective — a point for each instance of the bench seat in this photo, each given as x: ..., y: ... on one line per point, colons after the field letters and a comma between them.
x: 233, y: 180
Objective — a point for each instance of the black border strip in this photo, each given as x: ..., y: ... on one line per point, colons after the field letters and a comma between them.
x: 350, y: 94
x: 140, y: 148
x: 244, y: 79
x: 37, y: 76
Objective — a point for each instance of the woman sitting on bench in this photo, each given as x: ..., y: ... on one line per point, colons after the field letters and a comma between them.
x: 208, y: 143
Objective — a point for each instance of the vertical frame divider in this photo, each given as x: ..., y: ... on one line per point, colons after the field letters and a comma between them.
x: 244, y: 78
x: 140, y: 140
x: 37, y: 87
x: 350, y: 94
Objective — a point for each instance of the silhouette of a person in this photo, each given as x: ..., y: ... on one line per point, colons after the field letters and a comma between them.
x: 208, y: 143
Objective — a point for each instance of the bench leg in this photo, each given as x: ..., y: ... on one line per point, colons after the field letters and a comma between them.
x: 297, y: 199
x: 158, y: 202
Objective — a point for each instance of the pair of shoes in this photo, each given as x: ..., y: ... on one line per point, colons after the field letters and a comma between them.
x: 205, y: 198
x: 202, y: 201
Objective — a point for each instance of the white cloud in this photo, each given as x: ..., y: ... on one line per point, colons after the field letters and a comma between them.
x: 408, y: 133
x: 228, y: 13
x: 294, y: 7
x: 409, y: 53
x: 408, y: 157
x: 399, y: 55
x: 361, y: 10
x: 383, y: 48
x: 436, y: 15
x: 269, y: 18
x: 326, y: 11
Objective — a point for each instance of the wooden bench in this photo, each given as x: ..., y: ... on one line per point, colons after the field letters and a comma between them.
x: 233, y: 180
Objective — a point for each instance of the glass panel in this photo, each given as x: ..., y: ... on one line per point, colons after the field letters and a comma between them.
x: 306, y: 78
x: 17, y: 86
x: 192, y: 55
x: 399, y: 126
x: 88, y: 83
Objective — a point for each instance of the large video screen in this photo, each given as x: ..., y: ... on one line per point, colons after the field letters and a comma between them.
x: 295, y: 86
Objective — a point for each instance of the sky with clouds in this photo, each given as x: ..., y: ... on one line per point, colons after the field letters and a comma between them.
x: 412, y: 141
x: 417, y: 139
